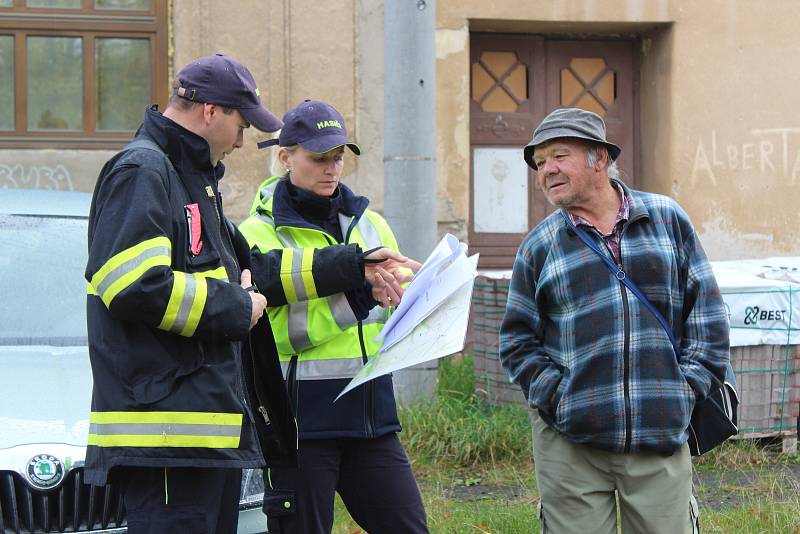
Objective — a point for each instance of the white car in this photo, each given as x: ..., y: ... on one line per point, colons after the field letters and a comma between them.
x: 46, y: 379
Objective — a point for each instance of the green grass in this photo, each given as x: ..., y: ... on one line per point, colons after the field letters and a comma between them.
x: 450, y: 516
x: 755, y: 518
x: 742, y: 453
x: 474, y: 466
x: 460, y: 430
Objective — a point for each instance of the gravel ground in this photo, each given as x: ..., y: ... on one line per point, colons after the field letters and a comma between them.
x: 719, y: 488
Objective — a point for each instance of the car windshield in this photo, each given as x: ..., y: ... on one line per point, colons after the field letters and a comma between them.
x: 42, y: 260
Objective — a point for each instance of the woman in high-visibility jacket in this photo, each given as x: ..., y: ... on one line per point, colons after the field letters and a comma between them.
x: 350, y: 446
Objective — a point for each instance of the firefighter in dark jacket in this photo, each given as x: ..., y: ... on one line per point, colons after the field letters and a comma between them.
x: 181, y: 399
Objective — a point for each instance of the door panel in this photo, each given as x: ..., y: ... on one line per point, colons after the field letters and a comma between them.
x: 598, y: 76
x: 515, y: 81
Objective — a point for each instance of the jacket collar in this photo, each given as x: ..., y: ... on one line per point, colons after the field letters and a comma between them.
x: 315, y: 207
x: 285, y: 213
x: 188, y: 151
x: 637, y: 208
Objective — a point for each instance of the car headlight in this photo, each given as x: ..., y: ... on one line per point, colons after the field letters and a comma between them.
x: 252, y: 488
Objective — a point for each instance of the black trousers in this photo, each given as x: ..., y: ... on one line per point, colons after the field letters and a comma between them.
x: 373, y: 477
x: 178, y: 500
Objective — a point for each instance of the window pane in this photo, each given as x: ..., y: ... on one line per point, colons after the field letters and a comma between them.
x: 123, y: 82
x: 55, y: 83
x: 64, y: 4
x: 6, y: 82
x: 129, y: 5
x: 6, y: 3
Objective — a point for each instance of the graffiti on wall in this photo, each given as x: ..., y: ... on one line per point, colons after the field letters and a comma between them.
x: 768, y: 151
x: 36, y: 177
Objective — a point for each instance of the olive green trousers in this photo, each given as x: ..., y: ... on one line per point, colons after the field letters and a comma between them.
x: 579, y: 488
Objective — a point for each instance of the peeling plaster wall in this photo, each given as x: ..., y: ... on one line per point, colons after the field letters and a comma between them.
x: 736, y: 134
x: 203, y: 27
x: 295, y: 49
x: 452, y: 120
x: 719, y: 131
x: 455, y: 20
x: 719, y: 127
x: 62, y: 170
x: 655, y: 107
x: 368, y: 131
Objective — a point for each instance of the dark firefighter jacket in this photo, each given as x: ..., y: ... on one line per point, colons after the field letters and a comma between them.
x: 179, y: 380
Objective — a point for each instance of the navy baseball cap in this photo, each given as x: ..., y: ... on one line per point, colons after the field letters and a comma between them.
x: 316, y: 126
x: 225, y: 82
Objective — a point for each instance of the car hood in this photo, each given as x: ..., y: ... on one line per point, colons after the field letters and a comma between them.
x: 46, y: 395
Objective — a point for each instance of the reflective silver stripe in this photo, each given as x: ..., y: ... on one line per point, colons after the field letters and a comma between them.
x: 341, y: 310
x: 328, y: 369
x: 298, y: 326
x: 268, y: 191
x: 368, y: 232
x: 376, y: 315
x: 344, y: 223
x: 285, y: 238
x: 284, y: 368
x: 298, y: 312
x: 129, y: 266
x: 297, y: 274
x: 264, y: 217
x: 186, y: 305
x: 165, y: 429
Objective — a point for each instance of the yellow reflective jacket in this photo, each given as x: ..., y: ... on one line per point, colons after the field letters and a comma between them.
x: 322, y: 342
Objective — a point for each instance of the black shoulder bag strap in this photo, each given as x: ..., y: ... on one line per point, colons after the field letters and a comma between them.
x: 714, y: 418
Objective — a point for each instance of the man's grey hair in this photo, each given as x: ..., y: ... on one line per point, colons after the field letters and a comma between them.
x: 593, y: 153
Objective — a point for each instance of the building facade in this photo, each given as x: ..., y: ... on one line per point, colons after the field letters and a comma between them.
x: 700, y: 95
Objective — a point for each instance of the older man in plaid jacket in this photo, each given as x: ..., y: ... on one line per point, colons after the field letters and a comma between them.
x: 612, y: 400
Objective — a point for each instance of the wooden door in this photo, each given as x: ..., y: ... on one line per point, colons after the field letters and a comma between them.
x: 515, y: 81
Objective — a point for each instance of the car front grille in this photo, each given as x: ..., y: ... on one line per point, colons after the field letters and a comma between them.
x: 73, y: 507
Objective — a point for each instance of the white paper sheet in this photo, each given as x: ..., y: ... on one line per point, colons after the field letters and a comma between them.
x: 446, y: 269
x: 440, y: 334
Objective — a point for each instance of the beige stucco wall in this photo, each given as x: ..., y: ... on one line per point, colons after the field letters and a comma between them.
x: 736, y: 149
x: 719, y: 130
x: 295, y: 49
x: 61, y: 170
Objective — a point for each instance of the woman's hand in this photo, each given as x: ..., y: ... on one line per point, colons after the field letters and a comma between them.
x: 386, y: 271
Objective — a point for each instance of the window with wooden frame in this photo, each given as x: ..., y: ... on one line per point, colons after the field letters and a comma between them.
x: 79, y: 73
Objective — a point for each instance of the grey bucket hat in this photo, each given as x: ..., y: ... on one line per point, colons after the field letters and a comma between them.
x: 570, y: 122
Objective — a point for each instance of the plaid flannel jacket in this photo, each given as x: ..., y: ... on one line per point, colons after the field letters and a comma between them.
x: 585, y: 351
